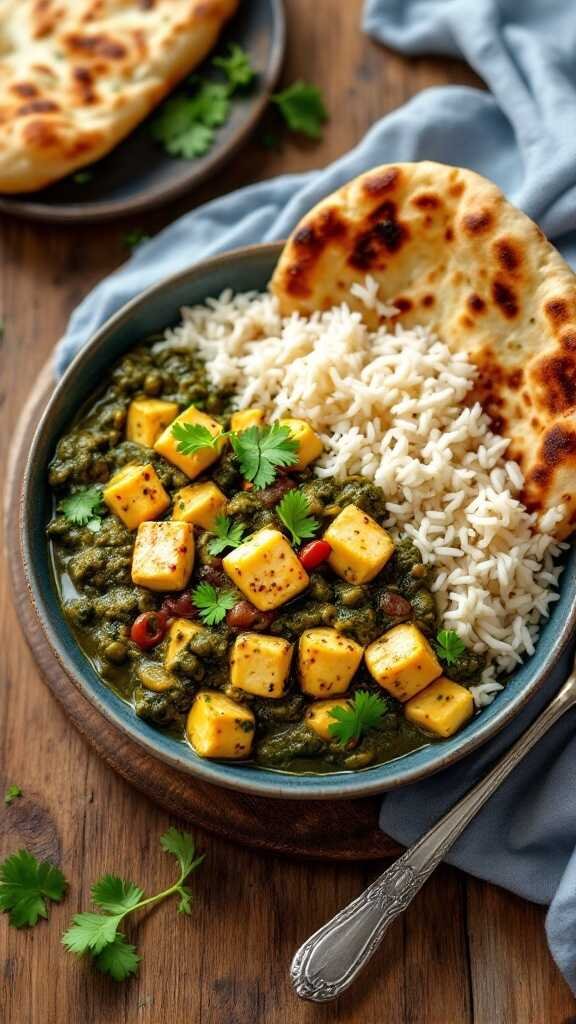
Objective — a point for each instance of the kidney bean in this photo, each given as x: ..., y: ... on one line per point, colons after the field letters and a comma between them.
x: 245, y: 616
x: 181, y: 607
x: 394, y: 605
x: 272, y: 495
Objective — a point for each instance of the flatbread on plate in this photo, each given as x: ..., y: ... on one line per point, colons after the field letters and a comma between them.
x: 76, y: 76
x: 450, y: 252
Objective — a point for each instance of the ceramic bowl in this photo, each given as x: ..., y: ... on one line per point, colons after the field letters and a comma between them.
x: 155, y: 309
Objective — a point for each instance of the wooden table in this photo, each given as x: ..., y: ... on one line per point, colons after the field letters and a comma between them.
x: 465, y: 953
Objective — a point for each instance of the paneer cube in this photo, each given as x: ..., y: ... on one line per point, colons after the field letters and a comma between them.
x: 219, y: 727
x: 194, y: 464
x: 163, y: 556
x: 309, y: 444
x: 179, y: 634
x: 327, y: 660
x: 266, y: 570
x: 402, y: 661
x: 360, y: 547
x: 319, y: 719
x: 442, y: 708
x: 147, y: 418
x: 136, y: 495
x: 260, y: 664
x: 245, y: 418
x: 199, y: 504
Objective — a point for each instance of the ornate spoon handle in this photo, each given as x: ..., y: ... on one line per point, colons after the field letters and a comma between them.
x: 329, y: 960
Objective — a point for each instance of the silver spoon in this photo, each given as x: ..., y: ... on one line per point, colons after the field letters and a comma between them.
x: 327, y: 963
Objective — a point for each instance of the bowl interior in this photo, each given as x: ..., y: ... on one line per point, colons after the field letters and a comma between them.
x: 157, y: 308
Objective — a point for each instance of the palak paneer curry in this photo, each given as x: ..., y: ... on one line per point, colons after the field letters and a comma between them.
x: 255, y: 610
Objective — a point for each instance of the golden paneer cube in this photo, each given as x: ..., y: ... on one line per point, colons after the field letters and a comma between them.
x: 199, y: 504
x: 194, y: 464
x: 319, y: 719
x: 147, y: 418
x: 219, y: 727
x: 402, y: 661
x: 260, y: 664
x: 245, y: 418
x: 327, y: 660
x: 179, y: 634
x: 309, y: 444
x: 136, y: 495
x: 442, y: 708
x: 360, y: 547
x: 163, y: 556
x: 266, y: 570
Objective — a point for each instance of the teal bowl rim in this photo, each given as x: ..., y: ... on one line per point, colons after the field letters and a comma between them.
x: 250, y: 262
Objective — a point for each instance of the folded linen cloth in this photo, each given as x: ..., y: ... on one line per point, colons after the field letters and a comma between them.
x: 521, y: 135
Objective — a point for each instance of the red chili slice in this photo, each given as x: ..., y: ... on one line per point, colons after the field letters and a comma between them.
x: 148, y: 629
x: 314, y: 553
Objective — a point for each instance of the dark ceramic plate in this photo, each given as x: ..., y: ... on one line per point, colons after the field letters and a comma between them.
x: 138, y: 174
x: 156, y: 308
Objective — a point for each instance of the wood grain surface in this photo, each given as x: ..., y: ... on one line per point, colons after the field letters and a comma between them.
x: 465, y: 952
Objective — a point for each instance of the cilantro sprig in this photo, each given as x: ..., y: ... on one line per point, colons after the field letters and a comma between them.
x: 227, y: 535
x: 449, y: 646
x: 26, y: 887
x: 302, y: 107
x: 294, y: 512
x: 236, y: 66
x: 212, y: 603
x: 12, y: 794
x: 84, y: 508
x: 192, y: 437
x: 261, y: 450
x: 364, y: 711
x: 96, y: 933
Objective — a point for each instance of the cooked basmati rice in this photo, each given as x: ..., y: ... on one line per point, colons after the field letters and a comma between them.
x: 392, y: 406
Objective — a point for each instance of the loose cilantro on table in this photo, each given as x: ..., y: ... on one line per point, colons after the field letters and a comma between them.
x: 302, y: 107
x: 261, y: 450
x: 236, y: 66
x: 228, y: 535
x: 365, y: 711
x: 26, y: 886
x: 96, y: 932
x: 212, y: 603
x: 84, y: 508
x: 12, y: 794
x: 192, y: 437
x: 449, y: 646
x: 294, y: 512
x: 132, y: 239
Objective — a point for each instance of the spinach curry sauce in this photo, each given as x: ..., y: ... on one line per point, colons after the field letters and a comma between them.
x: 93, y: 568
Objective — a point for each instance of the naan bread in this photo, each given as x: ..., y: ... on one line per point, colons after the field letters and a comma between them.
x: 450, y: 252
x: 76, y: 76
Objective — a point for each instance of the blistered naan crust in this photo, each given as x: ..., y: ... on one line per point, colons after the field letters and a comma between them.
x: 450, y: 252
x: 76, y: 76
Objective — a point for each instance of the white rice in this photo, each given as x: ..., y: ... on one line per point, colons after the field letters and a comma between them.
x: 392, y: 406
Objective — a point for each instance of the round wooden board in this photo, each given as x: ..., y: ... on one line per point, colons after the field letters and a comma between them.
x: 330, y: 830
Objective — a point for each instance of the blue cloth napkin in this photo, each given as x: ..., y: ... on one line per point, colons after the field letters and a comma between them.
x: 522, y: 135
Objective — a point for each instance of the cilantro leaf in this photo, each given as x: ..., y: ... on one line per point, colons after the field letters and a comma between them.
x: 236, y: 66
x: 26, y: 885
x: 91, y: 932
x: 449, y: 646
x: 185, y: 125
x: 115, y: 894
x: 212, y: 604
x: 132, y: 239
x: 181, y: 845
x: 118, y: 959
x: 11, y: 794
x: 293, y: 512
x: 365, y: 711
x: 192, y: 437
x: 260, y: 450
x: 228, y: 535
x: 84, y: 508
x: 302, y: 108
x: 185, y: 901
